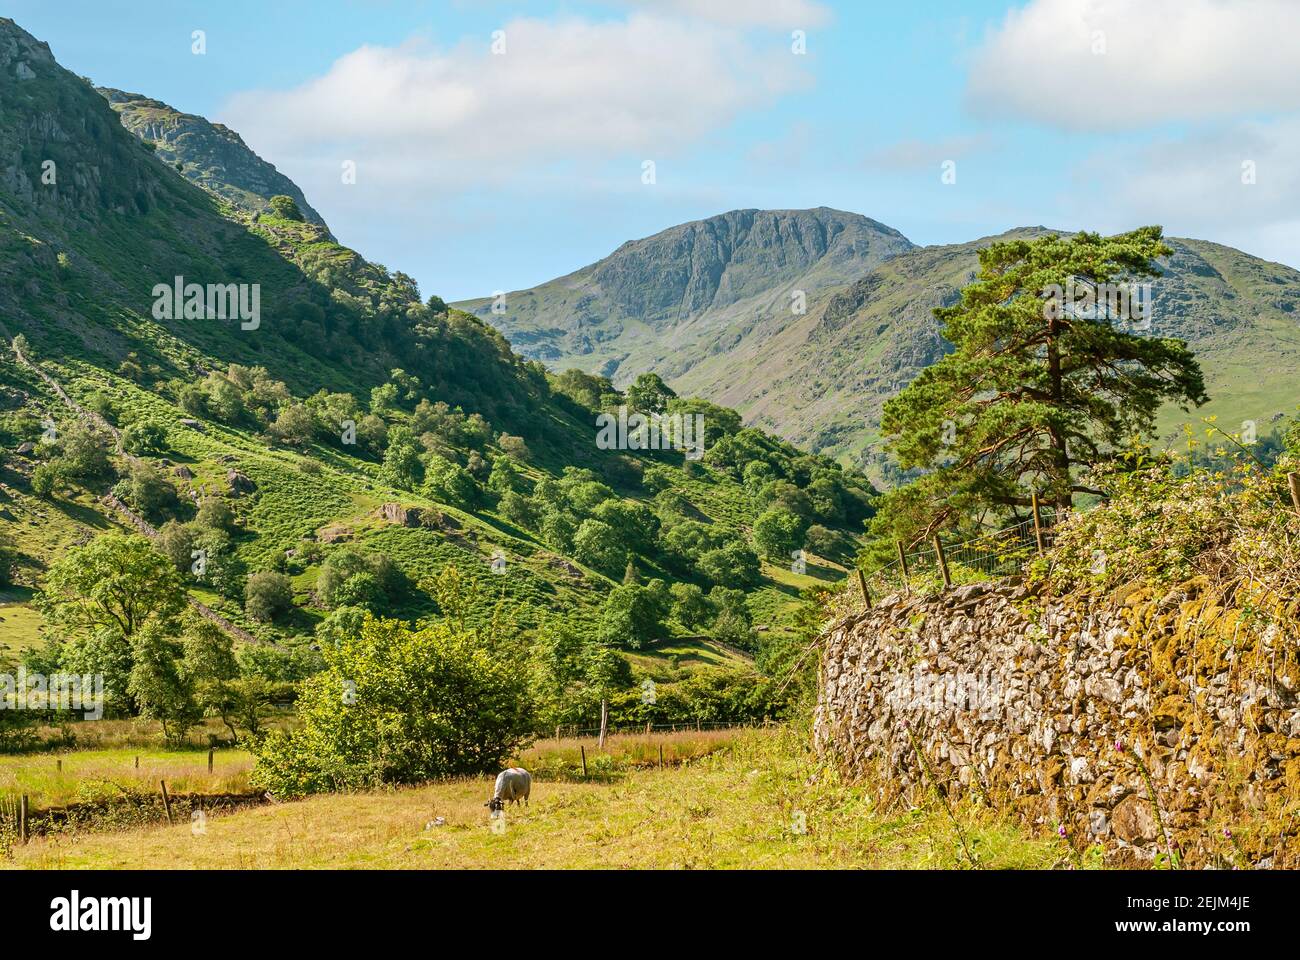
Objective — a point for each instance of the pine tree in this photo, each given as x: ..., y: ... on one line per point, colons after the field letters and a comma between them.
x: 1039, y: 386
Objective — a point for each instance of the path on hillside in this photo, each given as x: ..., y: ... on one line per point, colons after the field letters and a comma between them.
x: 110, y: 500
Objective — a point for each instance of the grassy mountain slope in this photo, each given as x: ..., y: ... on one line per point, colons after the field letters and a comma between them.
x: 252, y: 417
x: 209, y: 154
x: 820, y: 379
x: 669, y: 301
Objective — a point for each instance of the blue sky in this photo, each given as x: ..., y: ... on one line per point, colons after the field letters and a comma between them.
x: 482, y: 169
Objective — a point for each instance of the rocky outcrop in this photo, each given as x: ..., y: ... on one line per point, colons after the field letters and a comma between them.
x: 209, y: 154
x: 1061, y: 709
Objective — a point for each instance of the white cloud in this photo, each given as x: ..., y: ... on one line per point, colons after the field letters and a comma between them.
x: 1118, y: 64
x: 775, y: 14
x: 915, y: 155
x: 1194, y: 187
x: 570, y: 91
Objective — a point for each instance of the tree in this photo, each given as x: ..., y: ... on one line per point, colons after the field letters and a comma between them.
x: 149, y: 491
x: 513, y: 446
x: 215, y: 514
x: 451, y: 483
x: 691, y: 607
x: 396, y: 705
x: 402, y: 467
x: 267, y: 595
x: 116, y: 582
x: 649, y: 394
x: 734, y: 624
x: 176, y: 542
x: 218, y: 566
x: 600, y: 547
x: 778, y: 533
x: 45, y: 480
x: 733, y: 565
x: 294, y: 425
x: 1036, y: 388
x: 161, y: 689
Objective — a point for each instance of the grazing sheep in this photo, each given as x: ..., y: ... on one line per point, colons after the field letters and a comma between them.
x: 512, y: 785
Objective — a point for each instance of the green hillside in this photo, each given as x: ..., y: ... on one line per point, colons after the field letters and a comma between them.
x: 379, y: 451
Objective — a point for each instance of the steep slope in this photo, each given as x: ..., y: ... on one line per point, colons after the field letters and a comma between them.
x: 209, y: 154
x: 667, y: 301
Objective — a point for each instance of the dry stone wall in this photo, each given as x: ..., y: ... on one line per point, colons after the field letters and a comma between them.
x: 1061, y: 710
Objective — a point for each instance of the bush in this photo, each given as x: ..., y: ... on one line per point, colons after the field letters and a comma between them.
x: 267, y: 595
x: 395, y: 705
x: 146, y: 438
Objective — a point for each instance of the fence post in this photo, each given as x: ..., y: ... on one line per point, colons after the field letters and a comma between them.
x: 1293, y: 481
x: 137, y: 761
x: 943, y: 562
x: 862, y: 583
x: 584, y: 760
x: 209, y: 759
x: 1038, y: 526
x: 661, y: 756
x: 902, y: 560
x: 167, y: 802
x: 22, y: 818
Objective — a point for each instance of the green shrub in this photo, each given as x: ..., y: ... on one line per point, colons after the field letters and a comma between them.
x: 395, y: 705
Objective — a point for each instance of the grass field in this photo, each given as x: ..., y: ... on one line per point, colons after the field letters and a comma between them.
x: 750, y: 799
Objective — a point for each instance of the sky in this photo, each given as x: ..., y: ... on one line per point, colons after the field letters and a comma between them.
x: 500, y: 144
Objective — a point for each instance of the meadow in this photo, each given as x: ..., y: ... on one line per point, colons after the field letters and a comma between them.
x: 722, y: 800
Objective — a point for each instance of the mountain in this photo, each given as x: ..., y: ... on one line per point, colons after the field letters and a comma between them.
x: 668, y: 301
x: 209, y: 154
x: 377, y: 450
x: 820, y: 379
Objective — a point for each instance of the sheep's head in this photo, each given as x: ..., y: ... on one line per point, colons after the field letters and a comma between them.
x: 496, y: 803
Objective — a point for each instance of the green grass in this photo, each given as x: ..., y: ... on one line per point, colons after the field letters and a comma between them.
x: 759, y: 801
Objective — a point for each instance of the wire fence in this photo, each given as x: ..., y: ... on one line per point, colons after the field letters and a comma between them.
x: 927, y: 567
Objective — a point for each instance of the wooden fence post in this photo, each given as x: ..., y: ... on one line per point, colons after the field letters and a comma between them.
x: 209, y: 759
x: 22, y: 818
x: 137, y: 761
x: 862, y: 583
x: 167, y: 802
x: 943, y: 562
x: 584, y: 760
x: 661, y: 756
x: 902, y: 560
x: 60, y: 764
x: 1038, y: 525
x: 604, y: 721
x: 1293, y: 481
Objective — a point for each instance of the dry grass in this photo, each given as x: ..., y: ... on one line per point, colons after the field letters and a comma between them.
x: 88, y: 774
x: 738, y: 806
